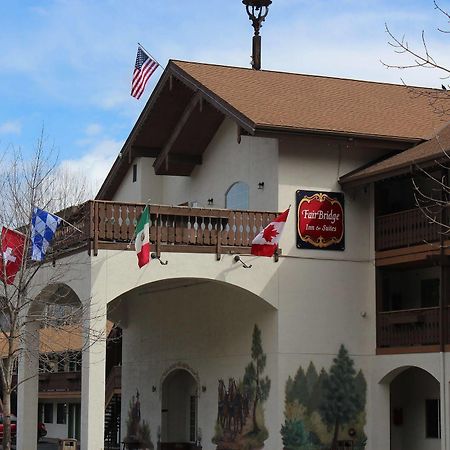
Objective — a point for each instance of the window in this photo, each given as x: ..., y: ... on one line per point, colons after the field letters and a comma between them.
x: 61, y: 413
x: 48, y: 412
x: 75, y: 362
x: 432, y: 418
x: 237, y: 196
x: 134, y: 173
x: 429, y: 293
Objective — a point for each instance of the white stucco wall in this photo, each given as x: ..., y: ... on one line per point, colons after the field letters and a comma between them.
x: 225, y: 162
x: 205, y: 326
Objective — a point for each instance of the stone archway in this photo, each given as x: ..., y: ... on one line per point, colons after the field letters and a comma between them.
x: 179, y: 396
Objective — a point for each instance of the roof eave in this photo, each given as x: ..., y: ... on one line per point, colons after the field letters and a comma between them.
x: 351, y: 180
x: 264, y: 128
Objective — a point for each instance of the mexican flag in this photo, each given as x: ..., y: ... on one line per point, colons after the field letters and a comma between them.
x: 142, y: 242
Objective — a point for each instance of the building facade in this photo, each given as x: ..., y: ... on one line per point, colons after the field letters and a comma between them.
x: 337, y: 341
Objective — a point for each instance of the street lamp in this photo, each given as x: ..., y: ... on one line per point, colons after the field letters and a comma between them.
x: 257, y: 11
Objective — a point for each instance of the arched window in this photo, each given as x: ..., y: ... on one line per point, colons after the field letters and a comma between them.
x: 237, y: 196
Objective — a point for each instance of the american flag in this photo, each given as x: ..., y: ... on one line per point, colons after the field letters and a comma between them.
x: 143, y: 70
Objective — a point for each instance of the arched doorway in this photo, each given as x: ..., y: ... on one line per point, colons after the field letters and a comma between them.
x: 57, y: 336
x: 415, y: 411
x: 179, y: 409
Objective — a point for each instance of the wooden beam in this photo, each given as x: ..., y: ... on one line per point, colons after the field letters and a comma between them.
x: 140, y: 151
x: 179, y: 158
x: 176, y: 132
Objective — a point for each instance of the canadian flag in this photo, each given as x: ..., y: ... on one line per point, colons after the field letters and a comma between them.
x: 12, y: 248
x: 266, y: 243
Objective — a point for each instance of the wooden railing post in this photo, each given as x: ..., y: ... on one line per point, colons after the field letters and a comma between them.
x: 96, y: 228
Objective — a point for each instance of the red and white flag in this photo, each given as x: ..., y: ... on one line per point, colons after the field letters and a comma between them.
x: 12, y: 248
x: 143, y: 70
x: 266, y: 243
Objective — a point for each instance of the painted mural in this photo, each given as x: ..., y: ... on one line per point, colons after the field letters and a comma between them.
x: 240, y: 415
x: 325, y: 410
x: 138, y: 431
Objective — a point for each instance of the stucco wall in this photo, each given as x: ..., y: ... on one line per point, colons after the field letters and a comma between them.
x: 225, y: 162
x: 206, y: 327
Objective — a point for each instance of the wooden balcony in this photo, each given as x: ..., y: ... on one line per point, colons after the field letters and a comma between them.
x: 111, y: 225
x: 60, y: 382
x: 405, y: 229
x: 408, y: 327
x: 113, y: 383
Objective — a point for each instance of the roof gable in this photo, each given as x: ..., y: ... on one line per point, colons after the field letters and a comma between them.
x: 191, y: 100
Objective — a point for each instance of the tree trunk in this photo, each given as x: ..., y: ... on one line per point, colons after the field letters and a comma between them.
x: 255, y: 425
x: 335, y: 436
x: 6, y: 444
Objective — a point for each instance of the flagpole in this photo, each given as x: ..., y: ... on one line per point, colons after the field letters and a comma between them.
x: 70, y: 225
x: 151, y: 56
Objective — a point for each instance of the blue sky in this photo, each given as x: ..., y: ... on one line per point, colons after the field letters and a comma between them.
x: 66, y: 65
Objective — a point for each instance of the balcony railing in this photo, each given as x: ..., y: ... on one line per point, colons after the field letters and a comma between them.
x: 60, y: 382
x: 113, y: 383
x: 405, y: 228
x: 412, y: 327
x: 111, y: 225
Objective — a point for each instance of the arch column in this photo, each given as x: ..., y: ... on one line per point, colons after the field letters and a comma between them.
x: 93, y: 377
x: 380, y: 417
x: 27, y: 395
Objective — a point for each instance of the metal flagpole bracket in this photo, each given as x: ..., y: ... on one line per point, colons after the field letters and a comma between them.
x: 155, y: 256
x: 237, y: 258
x: 276, y: 255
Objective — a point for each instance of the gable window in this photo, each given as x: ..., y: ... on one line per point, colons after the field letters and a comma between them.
x: 237, y: 196
x: 134, y: 173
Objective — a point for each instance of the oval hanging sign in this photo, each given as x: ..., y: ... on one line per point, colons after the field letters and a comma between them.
x: 320, y: 220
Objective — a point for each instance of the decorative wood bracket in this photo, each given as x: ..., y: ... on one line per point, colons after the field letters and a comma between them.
x: 163, y: 156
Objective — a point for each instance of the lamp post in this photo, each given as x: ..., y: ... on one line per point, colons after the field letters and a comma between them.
x: 257, y: 11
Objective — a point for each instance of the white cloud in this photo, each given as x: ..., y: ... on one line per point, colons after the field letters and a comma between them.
x: 95, y: 162
x: 93, y: 129
x: 10, y: 127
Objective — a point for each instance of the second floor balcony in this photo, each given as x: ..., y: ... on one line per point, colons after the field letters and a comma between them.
x: 111, y: 225
x: 406, y: 228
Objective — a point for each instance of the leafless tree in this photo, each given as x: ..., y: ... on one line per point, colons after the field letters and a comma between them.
x: 413, y: 57
x: 431, y: 182
x: 39, y: 296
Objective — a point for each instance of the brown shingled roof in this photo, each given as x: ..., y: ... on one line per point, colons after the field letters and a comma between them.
x: 308, y: 102
x: 426, y: 153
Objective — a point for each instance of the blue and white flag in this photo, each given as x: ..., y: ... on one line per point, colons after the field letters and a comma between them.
x: 43, y: 228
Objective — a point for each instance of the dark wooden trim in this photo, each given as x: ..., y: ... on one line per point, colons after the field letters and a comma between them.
x: 185, y: 158
x: 180, y: 248
x: 139, y: 151
x: 407, y: 350
x: 414, y: 253
x: 264, y: 130
x: 96, y: 224
x: 163, y: 156
x: 216, y: 101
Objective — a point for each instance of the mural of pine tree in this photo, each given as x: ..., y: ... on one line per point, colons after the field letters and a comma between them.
x: 316, y: 396
x: 311, y: 377
x: 341, y: 402
x: 256, y: 385
x: 300, y: 387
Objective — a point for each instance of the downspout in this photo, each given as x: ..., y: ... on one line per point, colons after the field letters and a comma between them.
x: 443, y: 319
